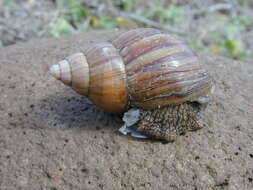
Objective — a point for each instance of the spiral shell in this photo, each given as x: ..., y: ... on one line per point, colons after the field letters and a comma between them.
x: 144, y: 68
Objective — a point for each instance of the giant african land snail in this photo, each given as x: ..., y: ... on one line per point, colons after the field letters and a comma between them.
x: 146, y: 69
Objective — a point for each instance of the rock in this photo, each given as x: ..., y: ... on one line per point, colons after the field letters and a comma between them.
x: 52, y: 138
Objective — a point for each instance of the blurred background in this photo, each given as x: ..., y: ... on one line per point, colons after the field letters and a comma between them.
x: 224, y: 27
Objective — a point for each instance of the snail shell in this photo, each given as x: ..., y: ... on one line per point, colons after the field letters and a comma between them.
x: 144, y: 68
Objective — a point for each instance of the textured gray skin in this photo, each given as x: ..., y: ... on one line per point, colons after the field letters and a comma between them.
x: 51, y: 138
x: 169, y: 122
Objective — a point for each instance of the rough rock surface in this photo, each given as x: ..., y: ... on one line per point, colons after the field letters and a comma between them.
x: 51, y: 138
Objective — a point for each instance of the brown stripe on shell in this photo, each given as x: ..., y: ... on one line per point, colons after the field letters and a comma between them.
x: 100, y: 52
x: 169, y: 84
x: 168, y: 58
x: 163, y: 68
x: 141, y: 47
x: 138, y: 75
x: 132, y: 36
x: 193, y: 89
x: 65, y: 72
x: 199, y: 85
x: 160, y: 68
x: 108, y: 80
x: 154, y: 55
x: 79, y: 72
x: 163, y: 80
x: 95, y: 72
x: 99, y: 61
x: 200, y: 89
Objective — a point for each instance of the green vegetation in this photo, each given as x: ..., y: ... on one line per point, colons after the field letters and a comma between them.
x: 223, y: 27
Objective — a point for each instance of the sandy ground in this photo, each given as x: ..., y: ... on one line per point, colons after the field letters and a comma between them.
x: 52, y: 138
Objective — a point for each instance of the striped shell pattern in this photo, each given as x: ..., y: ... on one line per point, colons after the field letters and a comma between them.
x: 145, y: 68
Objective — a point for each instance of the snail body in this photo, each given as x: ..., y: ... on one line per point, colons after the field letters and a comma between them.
x: 141, y: 68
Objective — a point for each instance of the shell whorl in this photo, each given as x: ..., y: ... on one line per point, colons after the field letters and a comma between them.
x: 73, y: 71
x: 161, y: 69
x: 99, y: 74
x: 143, y: 68
x: 107, y: 78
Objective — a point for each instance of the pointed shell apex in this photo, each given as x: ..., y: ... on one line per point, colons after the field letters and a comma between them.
x: 54, y: 70
x: 62, y: 72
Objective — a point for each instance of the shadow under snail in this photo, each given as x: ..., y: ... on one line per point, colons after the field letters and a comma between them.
x: 151, y: 76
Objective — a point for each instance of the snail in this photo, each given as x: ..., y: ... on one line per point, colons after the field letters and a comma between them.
x: 145, y: 73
